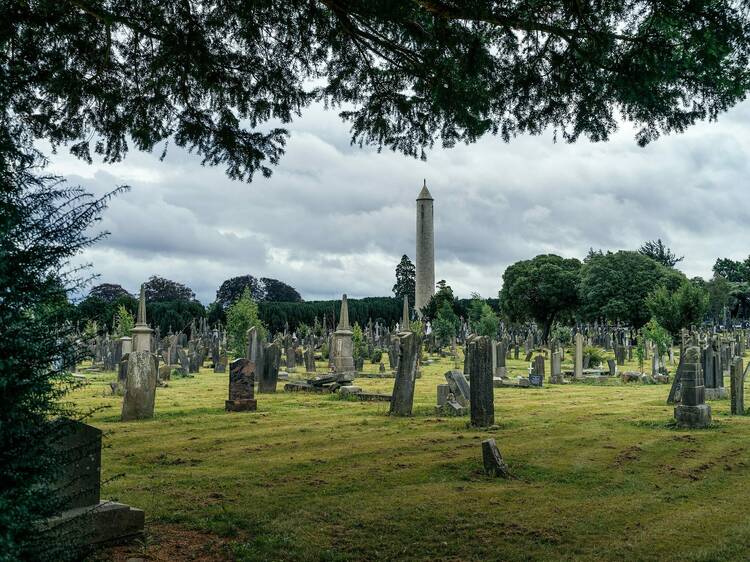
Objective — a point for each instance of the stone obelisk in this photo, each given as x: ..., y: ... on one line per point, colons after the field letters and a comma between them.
x: 141, y: 332
x: 425, y: 278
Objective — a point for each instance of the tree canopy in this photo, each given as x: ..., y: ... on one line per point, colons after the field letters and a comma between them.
x: 159, y: 289
x: 108, y: 292
x: 682, y: 308
x: 542, y: 289
x: 614, y: 286
x: 217, y: 77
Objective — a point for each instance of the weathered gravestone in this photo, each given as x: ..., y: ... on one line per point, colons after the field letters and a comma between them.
x: 309, y: 356
x: 406, y: 374
x: 183, y: 360
x: 84, y: 520
x: 737, y: 387
x: 269, y: 375
x: 220, y: 363
x: 556, y: 375
x: 536, y: 377
x: 241, y: 386
x: 612, y: 365
x: 494, y: 465
x: 481, y: 389
x: 578, y: 359
x: 692, y: 412
x: 459, y: 387
x: 140, y: 387
x: 122, y: 369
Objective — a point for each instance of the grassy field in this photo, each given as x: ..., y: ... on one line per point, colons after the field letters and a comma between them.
x: 599, y: 474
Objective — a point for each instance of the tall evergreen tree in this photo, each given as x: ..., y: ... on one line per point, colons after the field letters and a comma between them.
x: 406, y: 275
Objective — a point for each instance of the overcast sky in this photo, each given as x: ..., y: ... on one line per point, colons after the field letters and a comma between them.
x: 336, y: 218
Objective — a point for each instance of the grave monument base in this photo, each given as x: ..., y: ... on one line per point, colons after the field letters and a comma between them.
x: 106, y: 523
x: 244, y: 405
x: 693, y: 416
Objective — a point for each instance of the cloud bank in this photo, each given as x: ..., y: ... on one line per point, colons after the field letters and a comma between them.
x: 336, y: 219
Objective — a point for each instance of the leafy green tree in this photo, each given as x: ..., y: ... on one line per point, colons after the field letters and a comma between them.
x: 719, y: 296
x: 614, y: 286
x: 731, y: 270
x: 542, y: 289
x: 444, y: 294
x: 563, y: 334
x: 475, y: 309
x: 358, y: 342
x: 445, y: 325
x: 658, y: 251
x: 406, y: 275
x: 678, y: 309
x: 124, y: 322
x: 488, y: 323
x: 242, y: 316
x: 659, y: 335
x: 158, y: 289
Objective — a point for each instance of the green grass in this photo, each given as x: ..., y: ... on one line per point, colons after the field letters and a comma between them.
x: 600, y: 474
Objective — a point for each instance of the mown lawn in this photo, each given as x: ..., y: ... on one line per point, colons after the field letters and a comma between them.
x: 600, y: 474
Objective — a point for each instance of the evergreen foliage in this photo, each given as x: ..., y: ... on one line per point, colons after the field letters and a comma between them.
x: 43, y: 224
x: 241, y: 316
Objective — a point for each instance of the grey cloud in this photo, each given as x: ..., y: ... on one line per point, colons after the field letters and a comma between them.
x: 334, y: 218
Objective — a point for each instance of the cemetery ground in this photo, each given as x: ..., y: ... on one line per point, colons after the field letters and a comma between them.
x: 599, y: 473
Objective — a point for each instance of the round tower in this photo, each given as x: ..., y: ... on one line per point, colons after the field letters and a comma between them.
x: 425, y: 279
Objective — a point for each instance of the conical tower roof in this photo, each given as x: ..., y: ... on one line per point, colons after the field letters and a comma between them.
x: 425, y: 193
x: 344, y: 315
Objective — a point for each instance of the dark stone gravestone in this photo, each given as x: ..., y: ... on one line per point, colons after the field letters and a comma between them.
x: 84, y: 520
x: 536, y: 377
x: 481, y: 391
x: 122, y: 369
x: 269, y: 375
x: 406, y: 373
x: 220, y: 365
x: 494, y: 465
x: 241, y: 386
